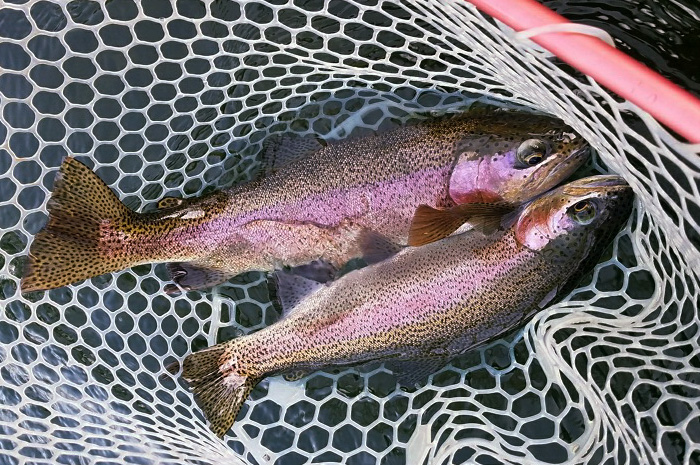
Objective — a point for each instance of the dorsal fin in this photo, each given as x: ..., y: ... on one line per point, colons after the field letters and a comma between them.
x: 292, y: 289
x: 280, y: 150
x: 432, y: 224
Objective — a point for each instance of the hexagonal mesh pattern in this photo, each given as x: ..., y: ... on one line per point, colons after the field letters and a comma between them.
x: 175, y: 97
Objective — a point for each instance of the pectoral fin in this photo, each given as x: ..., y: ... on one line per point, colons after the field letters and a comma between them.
x: 432, y: 224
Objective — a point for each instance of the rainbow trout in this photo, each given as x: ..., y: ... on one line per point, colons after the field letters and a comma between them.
x: 330, y: 202
x: 424, y: 305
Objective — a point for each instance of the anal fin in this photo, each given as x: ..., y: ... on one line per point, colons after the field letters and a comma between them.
x: 375, y: 247
x: 319, y: 270
x: 292, y: 289
x: 190, y: 276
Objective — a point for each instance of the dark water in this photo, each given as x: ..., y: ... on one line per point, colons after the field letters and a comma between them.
x: 662, y: 34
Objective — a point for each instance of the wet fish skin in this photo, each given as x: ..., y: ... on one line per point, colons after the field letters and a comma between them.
x: 429, y: 303
x: 346, y: 200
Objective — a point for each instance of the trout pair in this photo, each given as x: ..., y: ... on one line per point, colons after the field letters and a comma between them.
x: 415, y: 307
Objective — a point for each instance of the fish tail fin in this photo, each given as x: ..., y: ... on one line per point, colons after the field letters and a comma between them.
x: 219, y: 383
x: 75, y: 244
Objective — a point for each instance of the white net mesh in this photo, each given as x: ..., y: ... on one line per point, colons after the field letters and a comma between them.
x: 168, y: 97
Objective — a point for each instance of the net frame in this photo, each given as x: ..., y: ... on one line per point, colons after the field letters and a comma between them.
x: 81, y: 366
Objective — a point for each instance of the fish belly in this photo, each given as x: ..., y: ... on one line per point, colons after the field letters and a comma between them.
x: 336, y: 227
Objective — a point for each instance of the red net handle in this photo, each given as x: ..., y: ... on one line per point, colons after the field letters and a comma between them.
x: 664, y: 100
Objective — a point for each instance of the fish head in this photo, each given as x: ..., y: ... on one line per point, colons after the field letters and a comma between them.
x: 572, y: 225
x: 575, y: 222
x: 515, y: 163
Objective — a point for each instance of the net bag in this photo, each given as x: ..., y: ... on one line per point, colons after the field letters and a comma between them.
x: 175, y: 98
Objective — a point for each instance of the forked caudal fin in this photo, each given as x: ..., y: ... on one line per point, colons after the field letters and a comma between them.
x: 218, y: 384
x: 74, y: 245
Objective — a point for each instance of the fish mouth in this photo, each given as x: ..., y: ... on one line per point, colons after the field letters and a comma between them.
x: 602, y: 180
x: 583, y: 153
x: 557, y: 169
x: 606, y: 182
x: 584, y: 150
x: 613, y: 190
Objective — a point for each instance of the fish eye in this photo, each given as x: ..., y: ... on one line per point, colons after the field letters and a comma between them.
x: 583, y: 212
x: 532, y: 152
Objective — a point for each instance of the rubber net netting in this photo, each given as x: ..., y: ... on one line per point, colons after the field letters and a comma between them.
x: 175, y: 98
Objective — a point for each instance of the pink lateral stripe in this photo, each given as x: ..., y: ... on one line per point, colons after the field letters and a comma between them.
x: 664, y: 100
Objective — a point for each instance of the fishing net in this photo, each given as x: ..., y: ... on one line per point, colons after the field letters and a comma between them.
x: 175, y: 98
